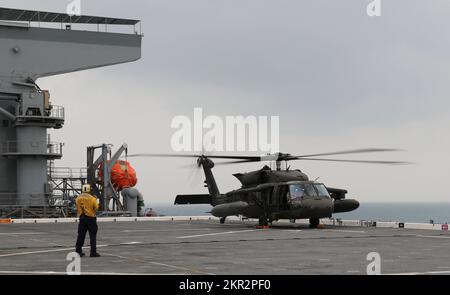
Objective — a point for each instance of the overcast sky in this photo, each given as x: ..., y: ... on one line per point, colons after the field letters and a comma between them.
x: 337, y: 78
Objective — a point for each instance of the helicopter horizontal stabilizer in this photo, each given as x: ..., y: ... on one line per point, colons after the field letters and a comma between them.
x: 193, y: 199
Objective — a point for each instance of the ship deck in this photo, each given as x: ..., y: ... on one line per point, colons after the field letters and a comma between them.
x: 238, y: 248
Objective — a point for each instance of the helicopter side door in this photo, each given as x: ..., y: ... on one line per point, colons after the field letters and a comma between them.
x: 279, y: 197
x: 275, y: 200
x: 283, y: 197
x: 267, y: 197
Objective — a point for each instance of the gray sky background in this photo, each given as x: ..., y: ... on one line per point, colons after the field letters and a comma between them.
x: 337, y: 78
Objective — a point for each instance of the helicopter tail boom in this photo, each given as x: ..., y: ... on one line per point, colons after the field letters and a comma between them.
x: 210, y: 181
x: 193, y: 200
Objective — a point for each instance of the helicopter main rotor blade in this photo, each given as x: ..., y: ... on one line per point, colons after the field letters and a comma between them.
x: 161, y: 156
x: 248, y: 158
x: 357, y: 161
x: 274, y: 157
x: 233, y: 162
x: 358, y: 151
x: 284, y: 157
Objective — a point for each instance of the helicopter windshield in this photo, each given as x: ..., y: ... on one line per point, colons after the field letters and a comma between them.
x: 322, y: 190
x: 301, y: 191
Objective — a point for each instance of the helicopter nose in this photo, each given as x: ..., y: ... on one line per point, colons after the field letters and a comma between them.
x: 319, y: 207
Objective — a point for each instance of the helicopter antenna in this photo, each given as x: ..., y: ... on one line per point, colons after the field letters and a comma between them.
x: 315, y: 180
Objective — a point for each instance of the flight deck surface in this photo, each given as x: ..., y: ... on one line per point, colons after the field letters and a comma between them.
x: 235, y: 248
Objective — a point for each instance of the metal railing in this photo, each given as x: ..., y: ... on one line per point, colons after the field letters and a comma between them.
x: 56, y: 112
x: 31, y: 148
x: 26, y: 200
x: 13, y: 205
x: 63, y: 172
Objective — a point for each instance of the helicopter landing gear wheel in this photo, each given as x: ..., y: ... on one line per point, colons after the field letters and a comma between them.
x: 222, y: 220
x: 314, y: 222
x: 263, y: 221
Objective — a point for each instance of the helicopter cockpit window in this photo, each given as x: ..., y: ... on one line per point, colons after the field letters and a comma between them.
x: 300, y: 191
x: 296, y: 193
x: 310, y: 191
x: 322, y: 190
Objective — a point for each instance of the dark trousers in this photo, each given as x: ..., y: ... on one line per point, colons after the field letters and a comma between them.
x: 87, y: 224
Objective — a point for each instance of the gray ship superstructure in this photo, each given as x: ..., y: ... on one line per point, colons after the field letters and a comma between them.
x: 29, y: 51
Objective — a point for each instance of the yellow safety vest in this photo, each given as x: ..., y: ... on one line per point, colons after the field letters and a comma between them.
x: 87, y: 205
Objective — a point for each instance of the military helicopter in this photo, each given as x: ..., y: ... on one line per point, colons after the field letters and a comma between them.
x: 272, y: 194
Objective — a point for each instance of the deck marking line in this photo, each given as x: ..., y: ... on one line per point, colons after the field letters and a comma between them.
x: 131, y: 243
x: 217, y: 234
x: 420, y: 273
x: 346, y: 231
x: 434, y: 237
x: 161, y: 230
x: 82, y: 273
x: 46, y: 251
x: 20, y: 234
x: 161, y: 264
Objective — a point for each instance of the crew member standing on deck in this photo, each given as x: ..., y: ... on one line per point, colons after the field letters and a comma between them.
x: 87, y: 207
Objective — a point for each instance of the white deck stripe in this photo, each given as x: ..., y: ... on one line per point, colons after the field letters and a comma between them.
x: 46, y: 242
x: 131, y: 243
x: 163, y: 230
x: 161, y: 264
x: 46, y: 251
x: 217, y: 234
x: 434, y: 237
x: 345, y: 231
x: 83, y: 273
x: 100, y: 246
x: 19, y: 234
x: 420, y: 273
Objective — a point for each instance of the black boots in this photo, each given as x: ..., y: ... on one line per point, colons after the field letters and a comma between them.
x: 92, y: 254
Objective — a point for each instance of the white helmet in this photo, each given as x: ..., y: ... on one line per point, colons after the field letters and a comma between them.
x: 86, y: 188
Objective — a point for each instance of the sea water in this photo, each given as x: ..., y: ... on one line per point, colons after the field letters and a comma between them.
x: 401, y: 212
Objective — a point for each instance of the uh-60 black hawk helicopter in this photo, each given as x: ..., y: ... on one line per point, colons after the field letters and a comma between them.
x: 270, y: 195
